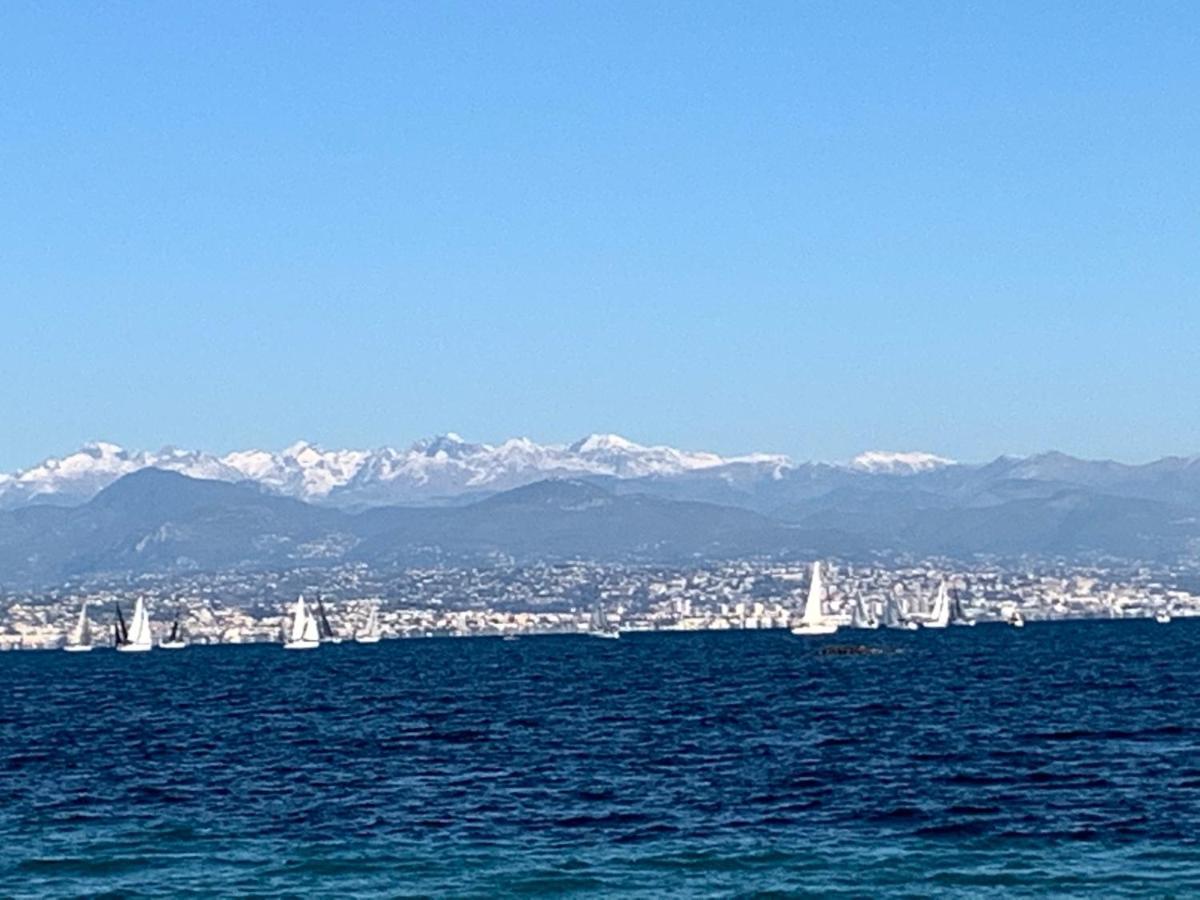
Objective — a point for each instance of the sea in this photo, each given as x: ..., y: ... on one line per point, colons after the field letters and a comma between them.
x: 1060, y: 759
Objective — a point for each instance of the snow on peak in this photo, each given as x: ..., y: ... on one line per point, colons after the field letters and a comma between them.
x: 594, y: 443
x: 434, y: 468
x: 102, y: 448
x: 885, y: 462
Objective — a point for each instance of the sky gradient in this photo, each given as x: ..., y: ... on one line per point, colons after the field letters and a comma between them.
x: 806, y: 228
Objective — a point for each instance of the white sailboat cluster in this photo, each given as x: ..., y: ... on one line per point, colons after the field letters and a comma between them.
x: 136, y: 637
x: 310, y: 628
x: 305, y: 633
x: 894, y: 612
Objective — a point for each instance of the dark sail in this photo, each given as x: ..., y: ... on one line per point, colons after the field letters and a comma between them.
x: 120, y: 629
x: 323, y: 620
x: 956, y: 609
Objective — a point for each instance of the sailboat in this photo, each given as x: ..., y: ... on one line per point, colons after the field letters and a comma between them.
x: 325, y: 629
x: 80, y: 640
x: 940, y: 616
x: 863, y: 617
x: 813, y: 621
x: 370, y: 633
x: 958, y: 615
x: 120, y: 632
x: 600, y: 627
x: 175, y: 640
x: 304, y: 634
x: 1162, y: 617
x: 137, y: 638
x: 895, y: 617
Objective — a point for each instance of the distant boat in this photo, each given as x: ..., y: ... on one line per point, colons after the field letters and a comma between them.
x: 600, y: 627
x: 137, y: 637
x: 305, y: 634
x: 370, y: 633
x: 958, y: 615
x: 940, y: 616
x: 176, y: 639
x: 1015, y: 619
x: 894, y: 615
x: 813, y: 621
x: 325, y: 629
x: 863, y: 617
x: 1162, y: 617
x: 510, y: 637
x: 119, y: 630
x: 80, y: 640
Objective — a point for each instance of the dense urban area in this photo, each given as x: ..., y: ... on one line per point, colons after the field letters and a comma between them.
x: 496, y: 600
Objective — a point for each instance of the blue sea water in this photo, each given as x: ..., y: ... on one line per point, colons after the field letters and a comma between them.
x: 1059, y: 759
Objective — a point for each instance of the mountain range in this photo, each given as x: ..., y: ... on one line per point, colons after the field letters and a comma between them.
x: 436, y: 470
x: 107, y: 510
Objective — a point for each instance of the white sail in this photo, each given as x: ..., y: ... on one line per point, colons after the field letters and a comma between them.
x: 82, y: 633
x: 311, y: 630
x: 940, y: 616
x: 370, y: 633
x: 138, y: 636
x: 813, y: 611
x: 895, y: 616
x: 863, y: 616
x: 81, y: 637
x: 813, y: 620
x: 305, y: 633
x: 599, y: 626
x: 300, y: 620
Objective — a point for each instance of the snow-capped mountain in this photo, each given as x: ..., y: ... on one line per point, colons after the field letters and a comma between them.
x: 302, y: 470
x: 77, y: 477
x: 884, y: 462
x: 437, y: 468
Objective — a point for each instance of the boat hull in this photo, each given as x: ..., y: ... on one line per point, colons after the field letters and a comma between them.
x: 134, y: 648
x: 172, y: 645
x: 367, y: 639
x: 605, y: 635
x: 301, y: 645
x: 814, y: 630
x: 77, y: 648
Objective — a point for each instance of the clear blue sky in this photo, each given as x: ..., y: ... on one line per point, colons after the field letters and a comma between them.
x: 807, y: 228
